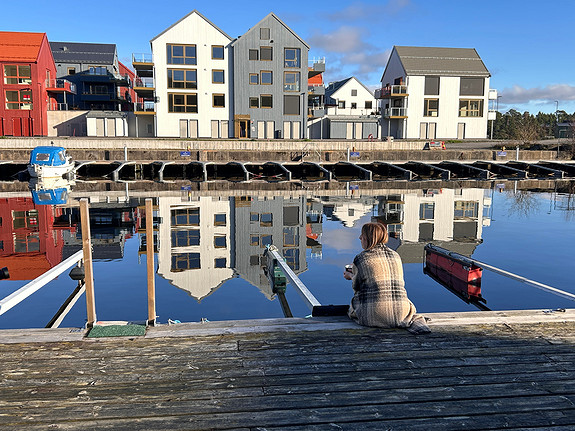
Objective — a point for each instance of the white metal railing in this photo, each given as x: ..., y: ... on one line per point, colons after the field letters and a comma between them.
x: 28, y: 289
x: 145, y: 107
x: 144, y: 82
x: 314, y: 60
x: 492, y: 95
x: 142, y: 58
x: 395, y: 112
x: 58, y: 107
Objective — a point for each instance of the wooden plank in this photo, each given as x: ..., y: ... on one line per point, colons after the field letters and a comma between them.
x: 151, y: 273
x: 88, y: 268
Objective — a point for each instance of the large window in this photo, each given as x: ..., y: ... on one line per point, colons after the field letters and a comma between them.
x: 291, y: 81
x: 186, y: 217
x: 218, y: 100
x: 292, y: 57
x: 471, y: 108
x: 182, y: 78
x: 426, y: 211
x: 184, y: 261
x: 266, y: 53
x: 217, y: 52
x: 266, y: 77
x: 185, y: 238
x: 266, y: 101
x: 471, y: 86
x: 465, y: 209
x: 181, y: 54
x: 217, y: 76
x: 183, y: 102
x: 431, y: 86
x: 291, y: 105
x: 19, y: 99
x: 431, y: 108
x: 17, y: 75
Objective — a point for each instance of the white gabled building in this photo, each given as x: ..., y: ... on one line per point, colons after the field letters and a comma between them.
x: 434, y: 93
x: 193, y: 80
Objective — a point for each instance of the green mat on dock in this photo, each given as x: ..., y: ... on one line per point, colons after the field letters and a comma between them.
x: 117, y: 331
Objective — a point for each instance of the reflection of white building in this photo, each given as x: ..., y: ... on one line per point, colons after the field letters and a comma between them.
x: 348, y: 210
x: 196, y: 243
x: 260, y: 221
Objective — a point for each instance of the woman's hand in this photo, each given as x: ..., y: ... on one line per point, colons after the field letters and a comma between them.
x: 347, y: 273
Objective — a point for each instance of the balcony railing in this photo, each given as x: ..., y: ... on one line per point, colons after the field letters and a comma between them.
x: 57, y: 107
x: 394, y: 112
x: 144, y: 83
x: 60, y: 85
x: 391, y: 90
x: 142, y: 58
x: 145, y: 107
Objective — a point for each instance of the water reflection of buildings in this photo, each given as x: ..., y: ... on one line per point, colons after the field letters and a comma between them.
x: 347, y: 209
x: 31, y: 237
x: 195, y: 242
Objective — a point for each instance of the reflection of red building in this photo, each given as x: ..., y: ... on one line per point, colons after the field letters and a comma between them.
x: 27, y: 83
x: 29, y: 243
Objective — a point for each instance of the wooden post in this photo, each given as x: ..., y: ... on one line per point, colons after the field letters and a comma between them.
x: 150, y: 262
x: 88, y: 270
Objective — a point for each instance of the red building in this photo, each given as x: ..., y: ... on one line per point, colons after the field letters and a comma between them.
x: 28, y: 84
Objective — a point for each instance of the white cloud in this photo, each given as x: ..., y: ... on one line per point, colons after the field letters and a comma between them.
x: 345, y: 39
x: 549, y: 93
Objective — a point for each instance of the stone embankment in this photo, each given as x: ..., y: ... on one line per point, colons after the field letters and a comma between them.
x: 18, y: 149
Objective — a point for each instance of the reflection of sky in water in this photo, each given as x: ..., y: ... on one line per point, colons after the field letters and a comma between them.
x: 528, y: 235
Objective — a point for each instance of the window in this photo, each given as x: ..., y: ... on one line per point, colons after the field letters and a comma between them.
x: 185, y: 238
x: 71, y: 71
x: 264, y: 33
x: 291, y: 105
x: 471, y: 86
x: 291, y: 81
x: 254, y: 102
x: 291, y: 256
x: 266, y: 101
x: 254, y: 260
x: 184, y: 261
x: 471, y: 108
x: 25, y: 219
x: 254, y: 78
x: 266, y: 220
x: 254, y: 239
x: 220, y: 262
x: 354, y: 92
x: 266, y: 53
x: 182, y: 78
x: 292, y: 57
x: 465, y: 209
x: 220, y: 241
x: 98, y: 70
x: 368, y: 104
x: 353, y: 105
x: 265, y: 240
x: 426, y: 211
x: 431, y: 107
x: 431, y: 86
x: 341, y: 104
x: 253, y: 54
x: 291, y: 237
x: 266, y: 77
x: 217, y: 76
x: 17, y: 75
x: 19, y: 99
x: 218, y: 100
x: 254, y: 217
x: 183, y: 102
x: 217, y: 52
x: 186, y: 217
x: 181, y: 54
x: 219, y: 219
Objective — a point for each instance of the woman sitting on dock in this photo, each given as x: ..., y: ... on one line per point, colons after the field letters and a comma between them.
x: 380, y: 298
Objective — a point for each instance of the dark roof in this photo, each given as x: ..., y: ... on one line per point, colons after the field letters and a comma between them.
x: 420, y: 60
x: 74, y: 52
x: 332, y: 88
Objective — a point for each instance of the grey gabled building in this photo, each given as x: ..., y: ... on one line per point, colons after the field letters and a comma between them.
x: 270, y: 82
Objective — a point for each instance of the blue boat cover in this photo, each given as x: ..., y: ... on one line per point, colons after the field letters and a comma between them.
x: 53, y: 156
x: 50, y: 196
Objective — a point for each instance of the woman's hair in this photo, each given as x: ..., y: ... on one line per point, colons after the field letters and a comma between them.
x: 374, y: 234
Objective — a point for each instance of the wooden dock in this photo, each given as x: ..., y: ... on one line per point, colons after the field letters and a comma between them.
x: 477, y: 370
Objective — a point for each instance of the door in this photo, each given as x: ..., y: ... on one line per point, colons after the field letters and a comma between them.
x: 215, y: 129
x: 296, y: 130
x: 287, y: 130
x: 225, y: 130
x: 184, y: 128
x: 270, y: 129
x: 261, y: 130
x: 422, y: 130
x: 349, y: 131
x: 431, y: 130
x: 358, y: 130
x: 110, y: 127
x: 460, y: 130
x: 193, y: 128
x: 100, y: 127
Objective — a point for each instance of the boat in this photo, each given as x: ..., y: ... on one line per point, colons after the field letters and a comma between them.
x: 50, y: 162
x: 50, y: 191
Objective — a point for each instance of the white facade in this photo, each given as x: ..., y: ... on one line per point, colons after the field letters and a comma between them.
x: 447, y: 111
x: 212, y: 120
x: 352, y: 98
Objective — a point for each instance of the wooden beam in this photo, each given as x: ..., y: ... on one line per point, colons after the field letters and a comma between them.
x: 88, y: 269
x: 150, y: 262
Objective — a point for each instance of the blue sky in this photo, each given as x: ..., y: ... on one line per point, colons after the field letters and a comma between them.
x: 527, y: 46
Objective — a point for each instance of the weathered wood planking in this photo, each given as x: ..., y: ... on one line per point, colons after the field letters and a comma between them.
x: 488, y: 370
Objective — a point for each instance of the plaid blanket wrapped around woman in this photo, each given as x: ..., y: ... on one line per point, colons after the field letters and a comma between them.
x: 380, y: 298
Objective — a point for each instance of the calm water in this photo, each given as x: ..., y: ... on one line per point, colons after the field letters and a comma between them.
x: 208, y: 263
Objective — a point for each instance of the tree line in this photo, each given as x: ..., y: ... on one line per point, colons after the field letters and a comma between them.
x: 527, y: 127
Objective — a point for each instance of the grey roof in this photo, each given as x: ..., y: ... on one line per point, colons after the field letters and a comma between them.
x: 419, y: 60
x: 180, y: 20
x: 274, y: 16
x: 77, y: 52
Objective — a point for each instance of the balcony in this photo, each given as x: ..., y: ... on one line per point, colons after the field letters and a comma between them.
x: 143, y: 65
x: 316, y: 66
x: 395, y: 113
x: 146, y: 108
x: 316, y: 90
x: 60, y: 86
x: 58, y: 107
x: 391, y: 91
x: 144, y: 88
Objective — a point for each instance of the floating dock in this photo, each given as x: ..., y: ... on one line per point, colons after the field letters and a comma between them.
x: 476, y: 370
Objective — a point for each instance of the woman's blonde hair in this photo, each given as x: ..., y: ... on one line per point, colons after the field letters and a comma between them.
x: 374, y: 234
